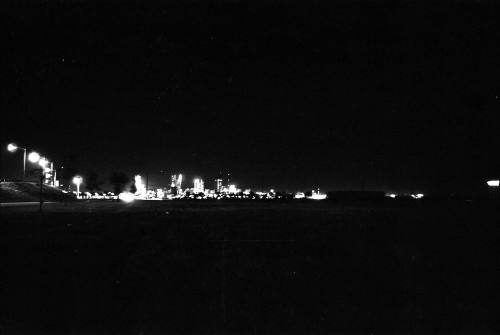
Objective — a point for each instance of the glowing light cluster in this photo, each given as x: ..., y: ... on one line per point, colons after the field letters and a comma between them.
x: 140, y: 187
x: 317, y: 195
x: 299, y: 195
x: 493, y: 183
x: 199, y: 186
x: 126, y: 197
x: 417, y: 196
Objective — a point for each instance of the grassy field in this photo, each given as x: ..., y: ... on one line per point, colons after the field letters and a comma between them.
x: 248, y: 267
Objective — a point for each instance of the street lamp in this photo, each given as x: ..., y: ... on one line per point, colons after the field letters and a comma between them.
x: 11, y: 147
x: 77, y: 180
x: 43, y: 162
x: 33, y: 157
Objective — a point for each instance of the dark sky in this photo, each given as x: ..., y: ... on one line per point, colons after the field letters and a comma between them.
x: 295, y: 94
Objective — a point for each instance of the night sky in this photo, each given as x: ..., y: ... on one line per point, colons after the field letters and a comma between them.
x: 291, y: 95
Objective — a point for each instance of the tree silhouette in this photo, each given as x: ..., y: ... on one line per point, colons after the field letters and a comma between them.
x: 118, y: 180
x: 92, y: 182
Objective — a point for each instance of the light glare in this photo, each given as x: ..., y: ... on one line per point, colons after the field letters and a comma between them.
x: 493, y: 183
x: 126, y: 197
x: 43, y: 162
x: 34, y: 157
x: 11, y: 147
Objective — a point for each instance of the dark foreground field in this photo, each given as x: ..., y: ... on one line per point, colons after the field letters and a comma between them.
x: 189, y: 267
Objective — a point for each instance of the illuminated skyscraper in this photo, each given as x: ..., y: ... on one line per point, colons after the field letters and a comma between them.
x: 176, y: 183
x: 198, y: 186
x: 218, y: 185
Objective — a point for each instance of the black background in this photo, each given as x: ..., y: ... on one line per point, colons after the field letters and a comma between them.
x: 290, y: 95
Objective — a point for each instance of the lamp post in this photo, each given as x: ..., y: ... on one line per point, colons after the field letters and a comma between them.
x: 77, y: 180
x: 11, y: 147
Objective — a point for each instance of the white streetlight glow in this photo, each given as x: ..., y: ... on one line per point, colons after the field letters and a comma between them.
x: 493, y: 183
x: 43, y: 162
x: 77, y: 180
x: 34, y: 157
x: 11, y: 147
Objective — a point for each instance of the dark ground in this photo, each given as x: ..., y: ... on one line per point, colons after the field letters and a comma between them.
x: 221, y: 267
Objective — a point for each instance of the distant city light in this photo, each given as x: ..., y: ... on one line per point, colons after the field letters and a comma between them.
x: 199, y: 186
x: 299, y: 195
x: 232, y: 189
x: 493, y: 183
x: 417, y: 196
x: 317, y: 195
x: 160, y: 194
x: 11, y: 147
x: 392, y: 195
x: 33, y: 157
x: 126, y: 197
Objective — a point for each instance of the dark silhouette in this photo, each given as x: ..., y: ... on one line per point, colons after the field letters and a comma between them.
x: 92, y: 183
x: 133, y: 188
x: 118, y: 180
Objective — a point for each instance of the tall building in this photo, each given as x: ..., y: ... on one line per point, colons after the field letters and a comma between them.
x: 198, y: 186
x: 218, y: 185
x: 176, y: 183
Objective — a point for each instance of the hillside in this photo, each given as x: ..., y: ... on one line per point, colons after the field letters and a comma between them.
x: 30, y: 191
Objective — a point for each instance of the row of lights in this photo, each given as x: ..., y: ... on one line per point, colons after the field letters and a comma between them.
x: 34, y: 157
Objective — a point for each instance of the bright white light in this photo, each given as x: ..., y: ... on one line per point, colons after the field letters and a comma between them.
x: 392, y: 195
x: 33, y: 157
x: 317, y: 196
x: 417, y: 196
x: 11, y: 147
x: 299, y: 195
x: 493, y: 183
x: 77, y: 180
x: 160, y: 194
x: 199, y: 186
x: 139, y: 186
x: 43, y: 162
x: 126, y: 197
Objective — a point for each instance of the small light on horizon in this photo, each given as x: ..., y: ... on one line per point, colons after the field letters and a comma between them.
x: 299, y: 195
x: 33, y: 157
x: 493, y: 183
